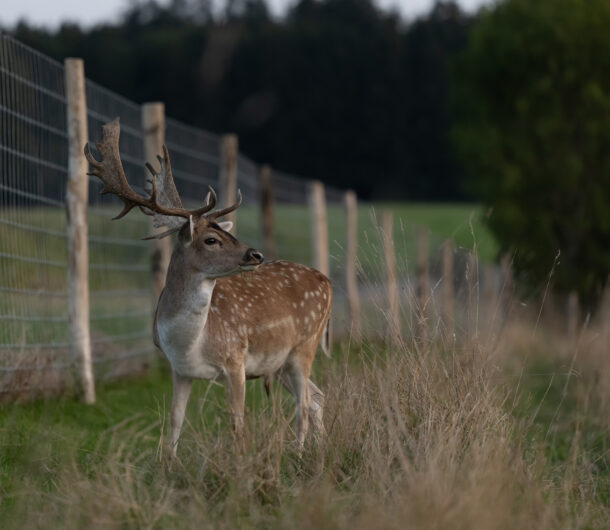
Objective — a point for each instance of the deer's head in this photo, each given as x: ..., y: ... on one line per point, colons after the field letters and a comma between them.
x: 207, y: 247
x: 205, y: 244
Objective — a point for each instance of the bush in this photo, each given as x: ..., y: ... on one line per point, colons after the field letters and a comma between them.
x: 532, y: 103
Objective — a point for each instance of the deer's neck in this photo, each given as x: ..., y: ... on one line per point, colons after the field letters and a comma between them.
x: 187, y: 293
x: 181, y: 318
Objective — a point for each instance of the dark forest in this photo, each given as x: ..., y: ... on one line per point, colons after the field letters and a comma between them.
x: 335, y: 90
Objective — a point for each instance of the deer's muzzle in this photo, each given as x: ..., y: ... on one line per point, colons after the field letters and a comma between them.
x: 251, y: 258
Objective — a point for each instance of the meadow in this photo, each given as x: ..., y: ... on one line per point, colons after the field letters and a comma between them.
x: 496, y: 423
x: 506, y: 433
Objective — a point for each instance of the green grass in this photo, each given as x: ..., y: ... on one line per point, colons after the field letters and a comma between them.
x: 462, y: 223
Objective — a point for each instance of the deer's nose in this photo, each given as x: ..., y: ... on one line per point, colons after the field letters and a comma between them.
x: 253, y: 256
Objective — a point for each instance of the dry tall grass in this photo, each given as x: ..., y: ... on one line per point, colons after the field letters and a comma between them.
x: 421, y: 436
x: 439, y: 431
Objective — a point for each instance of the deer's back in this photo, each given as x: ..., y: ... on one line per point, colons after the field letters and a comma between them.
x: 269, y: 311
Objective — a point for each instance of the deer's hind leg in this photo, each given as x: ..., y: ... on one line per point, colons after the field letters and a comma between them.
x: 235, y: 377
x: 316, y: 410
x: 294, y: 376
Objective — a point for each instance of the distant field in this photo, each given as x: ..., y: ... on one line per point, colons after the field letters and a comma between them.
x: 462, y: 223
x: 120, y: 259
x: 34, y: 260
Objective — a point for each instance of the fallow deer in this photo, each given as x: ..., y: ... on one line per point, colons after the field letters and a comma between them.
x: 210, y: 321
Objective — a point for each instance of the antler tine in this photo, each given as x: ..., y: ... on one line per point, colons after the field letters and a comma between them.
x: 228, y: 209
x: 210, y: 203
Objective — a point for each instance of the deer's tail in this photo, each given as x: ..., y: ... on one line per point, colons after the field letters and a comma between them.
x: 325, y: 340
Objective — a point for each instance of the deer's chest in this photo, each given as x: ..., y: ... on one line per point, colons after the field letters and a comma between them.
x: 182, y: 336
x: 183, y: 342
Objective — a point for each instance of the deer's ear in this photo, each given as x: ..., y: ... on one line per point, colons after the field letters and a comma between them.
x: 187, y: 232
x: 226, y: 225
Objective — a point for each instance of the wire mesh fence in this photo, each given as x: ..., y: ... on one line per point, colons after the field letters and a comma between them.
x: 119, y: 270
x: 35, y: 348
x: 33, y: 152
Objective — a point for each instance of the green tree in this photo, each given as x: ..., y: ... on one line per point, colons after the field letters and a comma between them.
x: 532, y: 104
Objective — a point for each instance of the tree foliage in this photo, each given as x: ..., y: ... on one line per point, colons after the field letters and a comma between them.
x: 532, y: 95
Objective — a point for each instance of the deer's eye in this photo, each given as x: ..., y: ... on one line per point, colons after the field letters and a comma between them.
x: 211, y: 241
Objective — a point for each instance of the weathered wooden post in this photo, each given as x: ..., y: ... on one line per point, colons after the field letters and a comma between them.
x: 448, y: 288
x: 472, y: 301
x: 319, y: 223
x: 77, y: 194
x: 228, y: 174
x: 490, y: 294
x: 423, y: 285
x: 351, y: 257
x: 573, y: 317
x: 153, y: 127
x: 394, y: 335
x: 506, y: 286
x: 266, y: 184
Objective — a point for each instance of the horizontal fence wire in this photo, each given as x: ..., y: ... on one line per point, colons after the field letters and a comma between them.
x: 249, y: 216
x: 195, y: 160
x: 292, y: 218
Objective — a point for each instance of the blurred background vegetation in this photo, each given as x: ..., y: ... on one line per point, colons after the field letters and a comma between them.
x: 509, y: 106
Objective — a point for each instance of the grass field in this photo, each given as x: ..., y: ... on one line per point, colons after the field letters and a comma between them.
x: 503, y: 425
x: 510, y: 433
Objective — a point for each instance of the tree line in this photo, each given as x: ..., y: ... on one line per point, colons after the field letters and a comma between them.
x: 336, y: 90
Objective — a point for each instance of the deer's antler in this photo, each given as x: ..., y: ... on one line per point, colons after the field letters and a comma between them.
x: 163, y: 200
x: 228, y: 209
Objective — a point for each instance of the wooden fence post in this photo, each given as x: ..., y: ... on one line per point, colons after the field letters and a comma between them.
x: 77, y: 195
x: 472, y: 301
x: 448, y: 289
x: 319, y: 223
x: 422, y: 272
x: 490, y: 297
x: 506, y: 287
x: 228, y: 174
x: 266, y: 184
x: 153, y: 127
x: 489, y: 287
x: 351, y: 257
x: 573, y: 317
x: 394, y: 335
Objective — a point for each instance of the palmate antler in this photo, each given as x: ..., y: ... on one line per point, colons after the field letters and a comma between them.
x: 163, y: 202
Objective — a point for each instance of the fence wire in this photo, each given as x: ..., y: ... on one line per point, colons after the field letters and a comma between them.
x: 35, y: 354
x: 119, y: 263
x: 33, y: 153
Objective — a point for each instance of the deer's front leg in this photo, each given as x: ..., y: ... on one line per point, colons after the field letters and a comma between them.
x: 236, y: 390
x: 180, y: 397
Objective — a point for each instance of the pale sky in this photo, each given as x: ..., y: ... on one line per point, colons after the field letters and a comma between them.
x: 90, y: 12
